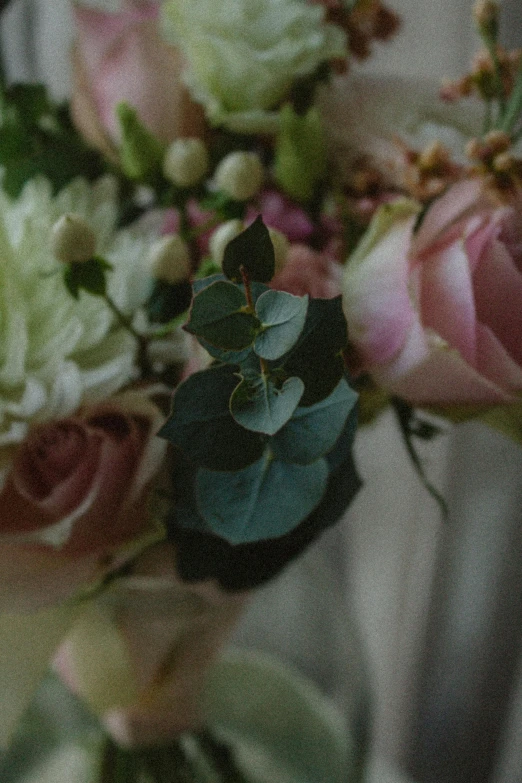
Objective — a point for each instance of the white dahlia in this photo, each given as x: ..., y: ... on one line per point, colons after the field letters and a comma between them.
x: 57, y: 352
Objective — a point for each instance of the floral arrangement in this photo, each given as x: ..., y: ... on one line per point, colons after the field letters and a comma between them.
x: 214, y: 268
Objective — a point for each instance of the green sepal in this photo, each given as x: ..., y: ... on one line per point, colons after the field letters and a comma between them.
x: 265, y: 500
x: 253, y: 250
x: 313, y: 431
x: 201, y: 425
x: 168, y: 301
x: 316, y: 357
x: 88, y: 276
x: 300, y: 157
x: 263, y: 404
x: 141, y: 153
x: 282, y: 317
x: 218, y: 316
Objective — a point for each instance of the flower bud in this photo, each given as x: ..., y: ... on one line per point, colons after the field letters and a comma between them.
x: 72, y: 239
x: 281, y: 246
x: 169, y: 259
x: 224, y: 234
x: 240, y: 175
x: 485, y: 13
x: 185, y: 162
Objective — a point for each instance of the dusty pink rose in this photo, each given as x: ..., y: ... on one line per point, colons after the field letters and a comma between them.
x: 74, y: 495
x: 171, y: 634
x: 281, y: 213
x: 308, y: 271
x: 122, y: 57
x: 436, y: 315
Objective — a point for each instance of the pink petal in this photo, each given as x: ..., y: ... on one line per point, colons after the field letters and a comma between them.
x: 498, y: 297
x: 445, y: 212
x: 376, y: 300
x: 495, y: 363
x: 446, y: 301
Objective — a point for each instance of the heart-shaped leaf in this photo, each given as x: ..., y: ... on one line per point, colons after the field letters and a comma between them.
x: 217, y: 316
x: 313, y: 431
x: 202, y: 426
x: 282, y: 317
x: 253, y: 250
x: 262, y: 404
x: 265, y: 500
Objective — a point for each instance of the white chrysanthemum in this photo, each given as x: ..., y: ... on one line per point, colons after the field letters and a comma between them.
x: 243, y: 56
x: 55, y: 351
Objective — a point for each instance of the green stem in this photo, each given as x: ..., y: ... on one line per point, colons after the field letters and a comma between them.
x: 514, y: 107
x: 221, y: 757
x: 142, y: 340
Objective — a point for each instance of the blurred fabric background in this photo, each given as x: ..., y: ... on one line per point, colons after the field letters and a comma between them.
x: 438, y: 605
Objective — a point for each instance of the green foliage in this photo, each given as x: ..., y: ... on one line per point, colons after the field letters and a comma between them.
x: 218, y: 316
x: 261, y: 404
x: 300, y: 161
x: 265, y: 500
x: 141, y: 154
x: 282, y: 319
x: 252, y: 250
x: 38, y: 138
x: 259, y: 434
x: 87, y: 276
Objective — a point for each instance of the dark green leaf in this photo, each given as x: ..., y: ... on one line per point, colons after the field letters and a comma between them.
x: 261, y: 404
x: 266, y: 500
x: 316, y: 357
x: 168, y: 301
x: 253, y: 250
x: 313, y: 431
x: 88, y: 275
x: 282, y: 317
x: 218, y: 318
x: 202, y: 426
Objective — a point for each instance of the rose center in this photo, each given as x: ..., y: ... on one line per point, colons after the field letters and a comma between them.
x: 54, y: 454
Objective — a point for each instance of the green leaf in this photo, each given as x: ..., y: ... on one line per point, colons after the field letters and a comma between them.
x: 300, y: 158
x: 141, y: 154
x: 87, y: 275
x: 262, y: 404
x: 316, y: 357
x: 266, y: 500
x: 253, y: 250
x: 202, y: 426
x: 282, y: 317
x: 313, y: 431
x: 217, y: 316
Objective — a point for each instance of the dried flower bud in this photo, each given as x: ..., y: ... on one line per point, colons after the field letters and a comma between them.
x: 169, y: 259
x: 485, y: 14
x: 504, y: 163
x: 497, y: 141
x: 281, y: 247
x: 240, y: 175
x: 224, y: 234
x: 186, y: 162
x: 433, y: 157
x: 72, y: 239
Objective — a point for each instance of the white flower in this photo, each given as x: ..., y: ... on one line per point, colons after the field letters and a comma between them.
x: 239, y: 175
x: 57, y: 352
x: 243, y: 56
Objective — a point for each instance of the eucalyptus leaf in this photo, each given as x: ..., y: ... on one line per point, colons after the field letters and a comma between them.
x: 202, y: 426
x: 316, y: 357
x: 265, y: 500
x: 282, y: 317
x: 252, y: 250
x: 263, y: 405
x: 217, y: 316
x: 313, y: 431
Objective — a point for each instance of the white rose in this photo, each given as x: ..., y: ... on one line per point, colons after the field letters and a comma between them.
x: 243, y: 56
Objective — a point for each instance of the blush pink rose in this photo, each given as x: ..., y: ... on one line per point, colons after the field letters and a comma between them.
x: 75, y: 494
x: 436, y: 314
x: 122, y: 57
x: 171, y: 632
x: 307, y: 271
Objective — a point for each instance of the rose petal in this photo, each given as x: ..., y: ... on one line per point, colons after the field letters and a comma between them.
x: 446, y: 211
x: 495, y: 362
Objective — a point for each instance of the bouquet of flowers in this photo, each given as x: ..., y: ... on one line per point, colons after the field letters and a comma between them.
x: 217, y: 259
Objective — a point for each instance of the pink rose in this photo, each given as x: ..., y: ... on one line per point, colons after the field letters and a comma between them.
x: 74, y: 495
x: 281, y: 213
x: 436, y: 315
x: 169, y: 634
x: 122, y: 57
x: 308, y: 271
